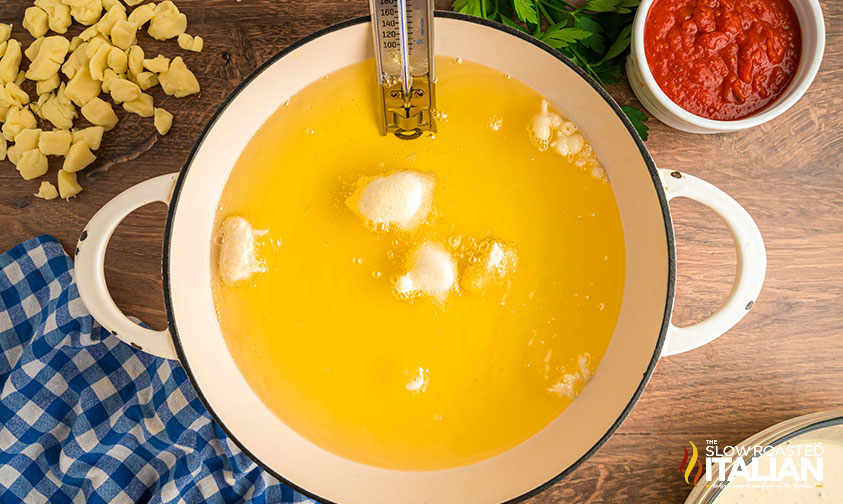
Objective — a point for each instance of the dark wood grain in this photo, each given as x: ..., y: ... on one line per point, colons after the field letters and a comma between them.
x: 784, y: 359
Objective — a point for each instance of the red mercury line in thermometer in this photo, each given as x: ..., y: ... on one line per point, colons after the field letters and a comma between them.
x: 404, y: 55
x: 403, y: 38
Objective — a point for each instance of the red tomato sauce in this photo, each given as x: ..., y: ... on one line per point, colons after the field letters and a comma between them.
x: 722, y: 59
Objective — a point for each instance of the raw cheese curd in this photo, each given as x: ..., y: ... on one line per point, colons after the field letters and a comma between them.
x: 436, y: 301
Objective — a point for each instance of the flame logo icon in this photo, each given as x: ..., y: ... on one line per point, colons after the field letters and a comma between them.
x: 689, y: 468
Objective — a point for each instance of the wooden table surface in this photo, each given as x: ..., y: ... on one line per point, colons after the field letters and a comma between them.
x: 784, y: 359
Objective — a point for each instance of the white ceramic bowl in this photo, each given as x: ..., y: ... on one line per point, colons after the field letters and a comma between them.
x: 655, y: 100
x: 643, y: 333
x: 813, y: 423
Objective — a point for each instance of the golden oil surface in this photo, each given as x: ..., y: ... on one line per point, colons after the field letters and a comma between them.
x: 330, y: 349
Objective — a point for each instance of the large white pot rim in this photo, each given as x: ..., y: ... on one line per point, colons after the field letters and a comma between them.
x: 666, y: 185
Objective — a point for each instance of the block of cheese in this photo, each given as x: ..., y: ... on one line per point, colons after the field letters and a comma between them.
x: 178, y: 80
x: 100, y: 113
x: 78, y: 158
x: 47, y: 191
x: 68, y: 185
x: 55, y: 143
x: 32, y: 164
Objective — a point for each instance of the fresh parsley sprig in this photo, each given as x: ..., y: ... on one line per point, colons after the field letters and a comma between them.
x: 594, y: 35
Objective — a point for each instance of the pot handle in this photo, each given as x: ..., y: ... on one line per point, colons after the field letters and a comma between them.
x: 751, y: 256
x: 90, y: 266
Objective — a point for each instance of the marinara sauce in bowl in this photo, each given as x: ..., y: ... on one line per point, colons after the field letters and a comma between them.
x: 709, y: 66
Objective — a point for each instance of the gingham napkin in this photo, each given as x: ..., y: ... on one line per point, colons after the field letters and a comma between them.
x: 85, y: 418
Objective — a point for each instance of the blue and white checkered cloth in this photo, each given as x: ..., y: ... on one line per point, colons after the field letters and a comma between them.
x: 85, y: 418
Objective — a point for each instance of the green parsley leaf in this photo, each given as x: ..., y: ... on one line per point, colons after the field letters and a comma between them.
x: 637, y: 118
x: 626, y: 6
x: 526, y: 11
x: 596, y: 42
x: 601, y: 5
x: 470, y: 7
x: 512, y: 24
x: 620, y: 44
x: 584, y: 22
x: 558, y: 36
x: 608, y: 72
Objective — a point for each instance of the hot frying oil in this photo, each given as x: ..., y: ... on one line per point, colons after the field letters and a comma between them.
x: 419, y: 382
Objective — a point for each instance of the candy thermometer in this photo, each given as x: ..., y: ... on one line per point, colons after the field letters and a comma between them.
x: 403, y: 35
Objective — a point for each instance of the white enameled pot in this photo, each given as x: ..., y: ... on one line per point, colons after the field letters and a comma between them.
x: 643, y: 334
